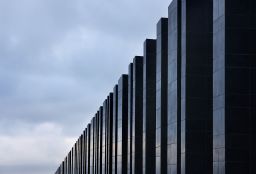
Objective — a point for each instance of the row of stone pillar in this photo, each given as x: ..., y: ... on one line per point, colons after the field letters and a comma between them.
x: 187, y: 106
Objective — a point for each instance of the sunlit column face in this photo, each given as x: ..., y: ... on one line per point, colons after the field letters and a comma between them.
x: 174, y: 87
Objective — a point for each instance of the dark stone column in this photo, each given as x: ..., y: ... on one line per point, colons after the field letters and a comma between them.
x: 137, y: 111
x: 161, y: 95
x: 88, y: 157
x: 100, y: 113
x: 149, y: 106
x: 196, y: 86
x: 130, y: 118
x: 104, y: 137
x: 96, y: 142
x: 85, y: 152
x: 106, y: 129
x: 174, y: 86
x: 122, y: 124
x: 72, y: 158
x: 234, y: 87
x: 92, y: 148
x: 110, y: 132
x: 115, y: 118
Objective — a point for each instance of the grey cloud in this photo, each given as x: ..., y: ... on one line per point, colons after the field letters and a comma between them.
x: 59, y: 59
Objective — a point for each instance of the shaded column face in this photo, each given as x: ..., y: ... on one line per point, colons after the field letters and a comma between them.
x: 96, y: 143
x: 196, y: 86
x: 114, y: 144
x: 85, y: 151
x: 92, y: 148
x: 161, y: 96
x: 137, y: 112
x: 122, y: 124
x: 149, y: 105
x: 130, y: 119
x: 88, y: 148
x: 100, y: 112
x: 174, y: 86
x: 234, y: 89
x: 99, y: 139
x: 104, y: 137
x: 110, y: 132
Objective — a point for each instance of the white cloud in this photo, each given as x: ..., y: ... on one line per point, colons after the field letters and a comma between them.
x: 35, y: 145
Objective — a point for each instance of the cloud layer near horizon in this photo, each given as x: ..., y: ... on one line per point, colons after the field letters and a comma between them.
x: 59, y: 59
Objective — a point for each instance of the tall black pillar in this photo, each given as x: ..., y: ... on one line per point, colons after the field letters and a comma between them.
x: 234, y: 87
x: 92, y: 148
x: 122, y: 124
x: 110, y: 132
x: 115, y: 125
x: 85, y: 152
x: 96, y: 135
x: 196, y: 86
x: 88, y: 149
x: 104, y: 116
x: 137, y: 111
x: 130, y: 118
x: 174, y: 86
x: 161, y: 95
x: 149, y: 106
x: 100, y: 113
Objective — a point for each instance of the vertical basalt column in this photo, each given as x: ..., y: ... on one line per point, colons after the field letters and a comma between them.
x: 196, y: 86
x: 130, y: 118
x: 161, y: 95
x: 149, y: 106
x: 72, y: 163
x: 106, y: 133
x: 88, y: 156
x: 92, y: 148
x: 110, y: 132
x: 115, y: 130
x: 174, y: 87
x: 137, y: 112
x: 100, y: 140
x: 234, y: 87
x: 85, y: 152
x: 104, y: 137
x: 96, y: 142
x: 122, y: 124
x: 82, y: 153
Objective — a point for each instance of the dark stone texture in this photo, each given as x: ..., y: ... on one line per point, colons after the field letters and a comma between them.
x: 161, y: 95
x: 174, y: 87
x: 130, y: 119
x: 122, y: 124
x: 149, y: 106
x: 196, y: 86
x: 234, y: 74
x: 137, y: 111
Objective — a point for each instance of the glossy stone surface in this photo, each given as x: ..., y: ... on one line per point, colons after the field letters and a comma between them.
x: 122, y: 120
x: 234, y: 135
x: 174, y: 87
x: 149, y: 106
x: 137, y: 111
x: 161, y: 95
x: 196, y: 86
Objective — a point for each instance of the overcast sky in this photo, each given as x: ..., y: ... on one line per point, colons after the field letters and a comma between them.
x: 59, y: 59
